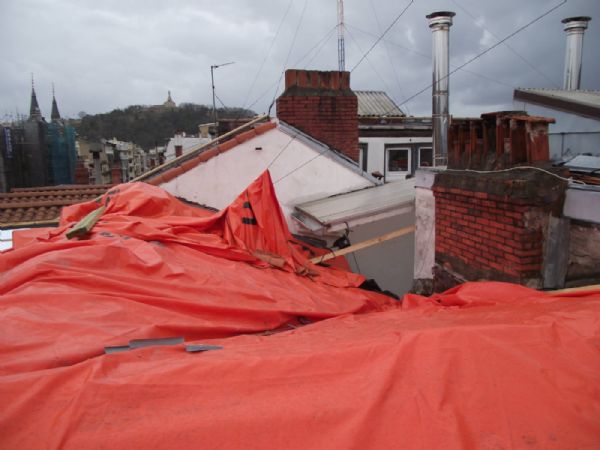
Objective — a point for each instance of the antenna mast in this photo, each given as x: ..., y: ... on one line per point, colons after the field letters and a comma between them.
x: 341, y: 51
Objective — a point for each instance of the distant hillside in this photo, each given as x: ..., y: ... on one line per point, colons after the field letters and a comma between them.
x: 150, y: 126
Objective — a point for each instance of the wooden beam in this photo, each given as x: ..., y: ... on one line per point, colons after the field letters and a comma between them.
x: 364, y: 244
x: 592, y: 287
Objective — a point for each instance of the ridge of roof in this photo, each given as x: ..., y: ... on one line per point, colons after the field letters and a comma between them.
x: 326, y: 150
x: 156, y: 176
x: 205, y: 153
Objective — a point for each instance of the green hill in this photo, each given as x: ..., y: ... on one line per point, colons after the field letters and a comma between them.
x: 150, y: 126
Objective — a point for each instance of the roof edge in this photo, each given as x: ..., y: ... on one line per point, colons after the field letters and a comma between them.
x: 178, y: 163
x: 573, y: 107
x: 326, y: 150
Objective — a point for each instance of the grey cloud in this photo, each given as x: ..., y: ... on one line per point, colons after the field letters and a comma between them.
x: 108, y: 54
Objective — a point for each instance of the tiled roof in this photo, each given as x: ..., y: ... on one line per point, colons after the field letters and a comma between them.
x: 178, y: 166
x: 26, y: 206
x: 155, y: 176
x: 376, y: 104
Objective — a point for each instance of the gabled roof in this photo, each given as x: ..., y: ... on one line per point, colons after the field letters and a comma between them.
x: 42, y: 205
x: 376, y: 104
x: 583, y: 103
x: 204, y: 152
x: 200, y: 153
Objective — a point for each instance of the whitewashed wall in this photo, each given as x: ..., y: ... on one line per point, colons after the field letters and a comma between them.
x: 221, y: 179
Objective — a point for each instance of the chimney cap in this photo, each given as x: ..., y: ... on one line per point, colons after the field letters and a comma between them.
x: 437, y: 14
x: 576, y: 19
x: 573, y: 23
x: 440, y: 18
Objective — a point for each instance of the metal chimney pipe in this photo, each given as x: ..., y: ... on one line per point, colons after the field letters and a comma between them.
x: 575, y: 27
x: 440, y: 23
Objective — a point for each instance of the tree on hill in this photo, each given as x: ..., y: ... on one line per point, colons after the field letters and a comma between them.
x: 150, y: 126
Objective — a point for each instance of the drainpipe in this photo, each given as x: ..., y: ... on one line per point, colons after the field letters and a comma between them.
x: 440, y: 23
x: 574, y: 27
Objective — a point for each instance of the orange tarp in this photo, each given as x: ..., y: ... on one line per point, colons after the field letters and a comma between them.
x: 485, y: 365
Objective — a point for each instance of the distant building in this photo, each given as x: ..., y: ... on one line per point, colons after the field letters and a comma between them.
x: 391, y: 144
x: 169, y: 103
x: 35, y: 152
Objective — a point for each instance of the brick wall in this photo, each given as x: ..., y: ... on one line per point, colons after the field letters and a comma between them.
x: 495, y: 227
x: 322, y: 105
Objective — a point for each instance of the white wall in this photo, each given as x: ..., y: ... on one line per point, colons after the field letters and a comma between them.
x: 376, y: 153
x: 571, y: 134
x: 221, y: 179
x: 424, y: 259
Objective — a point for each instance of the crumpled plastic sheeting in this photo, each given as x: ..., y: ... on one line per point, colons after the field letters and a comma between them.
x: 153, y: 268
x: 484, y: 365
x: 519, y: 371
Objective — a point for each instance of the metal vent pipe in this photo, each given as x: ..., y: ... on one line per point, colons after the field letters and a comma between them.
x: 440, y: 23
x: 575, y: 27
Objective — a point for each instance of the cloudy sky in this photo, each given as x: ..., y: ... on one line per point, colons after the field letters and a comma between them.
x: 107, y: 54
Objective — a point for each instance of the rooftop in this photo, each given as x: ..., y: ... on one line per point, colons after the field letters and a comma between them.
x: 376, y: 104
x: 581, y: 102
x: 42, y: 205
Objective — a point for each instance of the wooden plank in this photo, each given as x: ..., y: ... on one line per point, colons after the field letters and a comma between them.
x: 85, y: 225
x: 364, y: 244
x: 592, y: 287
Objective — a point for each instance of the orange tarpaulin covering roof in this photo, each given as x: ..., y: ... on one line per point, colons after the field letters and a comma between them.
x: 485, y: 365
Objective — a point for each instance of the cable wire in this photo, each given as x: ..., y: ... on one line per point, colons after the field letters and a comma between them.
x: 525, y: 60
x: 383, y: 34
x: 487, y: 50
x: 262, y: 65
x: 289, y: 53
x: 425, y: 56
x: 387, y: 50
x: 569, y: 180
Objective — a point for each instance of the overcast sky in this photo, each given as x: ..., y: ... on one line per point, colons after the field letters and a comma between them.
x: 107, y: 54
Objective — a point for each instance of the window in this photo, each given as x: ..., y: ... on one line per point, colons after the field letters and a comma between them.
x: 364, y: 155
x: 398, y: 160
x: 425, y: 157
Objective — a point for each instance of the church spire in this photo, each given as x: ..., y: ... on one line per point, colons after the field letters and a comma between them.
x: 34, y: 108
x: 55, y: 114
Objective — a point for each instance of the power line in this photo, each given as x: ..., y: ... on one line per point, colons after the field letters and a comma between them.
x: 262, y: 65
x: 369, y: 61
x: 383, y: 34
x: 289, y: 52
x: 300, y: 166
x: 322, y: 44
x: 425, y: 56
x: 282, y: 150
x: 487, y: 50
x: 387, y: 50
x: 321, y: 41
x: 525, y: 60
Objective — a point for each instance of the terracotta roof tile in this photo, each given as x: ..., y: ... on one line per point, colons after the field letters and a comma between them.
x: 187, y: 161
x: 43, y: 204
x: 176, y: 170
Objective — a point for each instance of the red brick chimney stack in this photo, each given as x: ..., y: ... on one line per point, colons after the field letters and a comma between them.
x: 322, y: 105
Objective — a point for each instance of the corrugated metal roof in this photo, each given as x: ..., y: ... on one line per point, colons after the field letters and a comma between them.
x: 376, y: 104
x: 582, y: 102
x: 365, y: 202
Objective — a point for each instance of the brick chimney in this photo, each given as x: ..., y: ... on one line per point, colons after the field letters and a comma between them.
x: 322, y: 105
